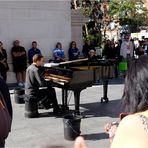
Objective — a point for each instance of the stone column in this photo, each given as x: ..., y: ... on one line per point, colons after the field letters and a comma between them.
x: 77, y: 22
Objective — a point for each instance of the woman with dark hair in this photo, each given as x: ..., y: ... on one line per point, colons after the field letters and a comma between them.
x: 73, y: 51
x: 3, y: 62
x: 58, y: 53
x: 133, y: 129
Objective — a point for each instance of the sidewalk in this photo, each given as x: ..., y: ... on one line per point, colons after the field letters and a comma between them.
x: 48, y: 130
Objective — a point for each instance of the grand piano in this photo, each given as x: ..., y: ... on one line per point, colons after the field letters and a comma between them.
x: 78, y: 75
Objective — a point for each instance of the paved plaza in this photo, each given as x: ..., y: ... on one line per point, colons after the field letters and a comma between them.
x: 48, y: 130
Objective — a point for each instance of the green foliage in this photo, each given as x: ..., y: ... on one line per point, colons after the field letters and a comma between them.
x: 129, y: 12
x: 95, y: 38
x: 87, y: 11
x: 91, y: 38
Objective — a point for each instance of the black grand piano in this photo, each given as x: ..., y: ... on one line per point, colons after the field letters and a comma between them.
x: 78, y: 75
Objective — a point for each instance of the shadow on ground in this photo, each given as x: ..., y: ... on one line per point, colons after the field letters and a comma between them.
x: 96, y: 109
x: 95, y: 136
x: 114, y: 81
x: 45, y: 114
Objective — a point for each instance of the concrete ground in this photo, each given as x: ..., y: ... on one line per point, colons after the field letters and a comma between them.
x: 48, y: 130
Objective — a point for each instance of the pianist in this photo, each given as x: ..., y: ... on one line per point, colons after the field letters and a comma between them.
x: 36, y: 88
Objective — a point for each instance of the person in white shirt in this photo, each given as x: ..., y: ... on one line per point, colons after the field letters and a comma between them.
x: 126, y: 50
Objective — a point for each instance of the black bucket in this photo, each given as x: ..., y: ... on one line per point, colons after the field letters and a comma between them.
x: 19, y: 94
x: 71, y: 127
x: 31, y: 109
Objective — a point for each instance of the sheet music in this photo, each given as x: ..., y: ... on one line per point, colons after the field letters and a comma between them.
x: 51, y: 64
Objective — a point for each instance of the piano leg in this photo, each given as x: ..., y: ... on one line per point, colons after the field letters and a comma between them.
x: 64, y: 100
x: 77, y: 101
x: 105, y: 89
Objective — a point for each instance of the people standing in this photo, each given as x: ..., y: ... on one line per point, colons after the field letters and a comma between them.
x: 106, y: 49
x: 74, y: 52
x: 139, y: 50
x: 110, y: 51
x: 3, y: 62
x: 87, y: 47
x: 58, y: 53
x: 19, y: 60
x: 34, y: 50
x: 127, y: 48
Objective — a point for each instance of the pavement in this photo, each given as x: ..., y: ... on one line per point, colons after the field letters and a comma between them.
x: 48, y: 130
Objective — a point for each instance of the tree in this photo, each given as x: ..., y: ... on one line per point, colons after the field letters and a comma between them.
x: 129, y: 12
x: 95, y: 11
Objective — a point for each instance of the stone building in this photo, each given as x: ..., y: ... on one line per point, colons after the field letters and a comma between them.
x: 46, y: 22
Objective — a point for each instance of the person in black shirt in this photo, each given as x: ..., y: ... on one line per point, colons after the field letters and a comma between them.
x: 87, y: 47
x: 110, y: 51
x: 35, y: 81
x: 19, y: 59
x: 3, y: 62
x: 34, y: 50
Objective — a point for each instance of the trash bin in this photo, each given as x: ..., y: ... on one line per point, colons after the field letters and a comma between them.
x: 19, y: 94
x: 31, y: 109
x: 71, y: 127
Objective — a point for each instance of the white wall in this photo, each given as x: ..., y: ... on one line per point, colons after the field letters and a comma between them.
x: 77, y: 22
x: 47, y: 22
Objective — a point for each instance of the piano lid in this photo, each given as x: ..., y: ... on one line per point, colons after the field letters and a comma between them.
x: 73, y: 61
x: 64, y: 63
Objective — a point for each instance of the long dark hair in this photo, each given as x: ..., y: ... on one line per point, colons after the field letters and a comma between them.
x: 58, y: 43
x: 73, y: 42
x: 135, y: 95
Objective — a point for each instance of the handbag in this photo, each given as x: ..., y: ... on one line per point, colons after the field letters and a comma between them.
x: 123, y: 66
x: 5, y: 119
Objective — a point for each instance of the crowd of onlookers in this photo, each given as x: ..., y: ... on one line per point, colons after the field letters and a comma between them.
x: 20, y: 58
x: 122, y: 49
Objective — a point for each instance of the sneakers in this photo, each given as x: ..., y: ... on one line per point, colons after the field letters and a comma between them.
x: 20, y: 84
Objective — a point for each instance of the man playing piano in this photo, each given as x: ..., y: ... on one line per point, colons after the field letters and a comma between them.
x: 36, y: 88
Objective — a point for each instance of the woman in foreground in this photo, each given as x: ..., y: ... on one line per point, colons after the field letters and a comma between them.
x: 132, y: 131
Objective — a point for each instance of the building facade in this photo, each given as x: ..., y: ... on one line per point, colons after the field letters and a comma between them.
x: 46, y: 22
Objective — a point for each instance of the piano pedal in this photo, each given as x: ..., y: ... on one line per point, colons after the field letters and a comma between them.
x: 78, y: 115
x: 104, y: 100
x: 64, y: 108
